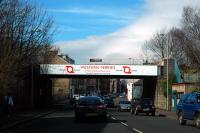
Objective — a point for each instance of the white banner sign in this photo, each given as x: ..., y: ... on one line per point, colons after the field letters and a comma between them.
x: 138, y: 70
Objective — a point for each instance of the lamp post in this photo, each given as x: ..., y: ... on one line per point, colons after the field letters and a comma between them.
x: 131, y: 60
x: 167, y: 76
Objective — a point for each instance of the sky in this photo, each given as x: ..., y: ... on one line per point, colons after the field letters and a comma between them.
x: 113, y: 30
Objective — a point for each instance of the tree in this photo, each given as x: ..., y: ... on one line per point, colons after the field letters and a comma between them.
x: 183, y: 42
x: 158, y: 45
x: 178, y: 48
x: 25, y: 34
x: 191, y: 36
x: 197, y: 90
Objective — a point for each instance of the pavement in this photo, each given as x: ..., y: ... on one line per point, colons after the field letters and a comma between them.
x: 18, y: 118
x: 170, y: 114
x: 21, y: 117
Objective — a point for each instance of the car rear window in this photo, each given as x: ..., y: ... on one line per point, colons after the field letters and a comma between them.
x: 183, y: 98
x: 198, y: 98
x: 125, y: 102
x: 108, y: 100
x: 90, y: 101
x: 146, y: 101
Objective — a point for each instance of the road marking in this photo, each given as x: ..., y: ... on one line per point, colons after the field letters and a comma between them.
x: 113, y: 118
x: 124, y: 124
x: 120, y: 122
x: 134, y: 129
x: 138, y: 131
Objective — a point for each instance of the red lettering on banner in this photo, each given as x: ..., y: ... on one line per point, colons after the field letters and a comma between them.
x: 127, y: 69
x: 70, y: 69
x: 107, y: 67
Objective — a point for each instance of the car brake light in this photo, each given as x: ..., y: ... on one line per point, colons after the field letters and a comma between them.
x: 101, y: 106
x: 81, y: 106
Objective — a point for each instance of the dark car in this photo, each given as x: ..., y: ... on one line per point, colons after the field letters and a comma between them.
x: 109, y: 103
x: 90, y: 106
x: 143, y: 105
x: 188, y: 108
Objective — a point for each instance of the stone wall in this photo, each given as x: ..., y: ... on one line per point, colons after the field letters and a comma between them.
x: 160, y: 99
x: 60, y: 86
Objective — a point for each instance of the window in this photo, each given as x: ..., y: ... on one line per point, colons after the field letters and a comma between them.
x: 198, y: 98
x: 191, y: 99
x: 179, y: 95
x: 183, y: 98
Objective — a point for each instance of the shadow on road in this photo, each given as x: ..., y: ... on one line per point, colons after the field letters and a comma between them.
x: 96, y: 120
x: 161, y: 115
x: 157, y: 115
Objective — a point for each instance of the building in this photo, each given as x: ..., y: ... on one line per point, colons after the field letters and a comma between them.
x: 181, y: 89
x: 60, y: 86
x: 89, y: 86
x: 115, y: 86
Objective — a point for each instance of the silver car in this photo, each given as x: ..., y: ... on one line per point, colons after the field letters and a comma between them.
x: 124, y: 106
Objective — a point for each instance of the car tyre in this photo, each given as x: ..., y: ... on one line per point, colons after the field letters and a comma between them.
x: 180, y: 119
x: 104, y: 118
x: 77, y: 119
x: 197, y: 120
x: 153, y: 113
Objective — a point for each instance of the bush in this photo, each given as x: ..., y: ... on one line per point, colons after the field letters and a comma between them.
x: 196, y: 90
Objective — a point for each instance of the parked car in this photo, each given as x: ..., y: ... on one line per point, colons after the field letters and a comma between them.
x: 188, y: 108
x: 90, y: 106
x: 76, y: 96
x: 109, y: 103
x: 143, y: 105
x: 124, y: 105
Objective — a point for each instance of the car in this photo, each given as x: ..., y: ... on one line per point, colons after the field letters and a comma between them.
x: 109, y: 103
x: 90, y: 106
x: 76, y: 96
x: 143, y: 105
x: 124, y: 105
x: 188, y: 108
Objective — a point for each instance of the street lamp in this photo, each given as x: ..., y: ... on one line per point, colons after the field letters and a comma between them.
x: 167, y: 76
x: 131, y: 60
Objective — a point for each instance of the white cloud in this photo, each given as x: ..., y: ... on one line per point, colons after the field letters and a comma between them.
x: 127, y: 42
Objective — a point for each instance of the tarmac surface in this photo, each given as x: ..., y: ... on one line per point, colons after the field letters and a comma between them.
x: 19, y: 118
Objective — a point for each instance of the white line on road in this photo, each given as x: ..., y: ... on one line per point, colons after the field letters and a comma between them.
x: 124, y: 124
x: 134, y: 129
x: 138, y: 131
x: 113, y: 118
x: 120, y: 122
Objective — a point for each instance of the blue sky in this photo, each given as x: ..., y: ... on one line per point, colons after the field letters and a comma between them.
x: 114, y: 30
x: 78, y: 19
